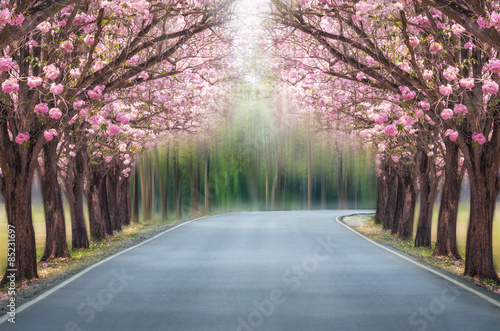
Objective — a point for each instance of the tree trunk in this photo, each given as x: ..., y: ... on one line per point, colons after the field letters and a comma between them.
x: 392, y: 187
x: 309, y: 175
x: 193, y: 185
x: 103, y: 201
x: 134, y: 212
x: 124, y: 200
x: 399, y: 207
x: 178, y: 181
x: 74, y: 187
x: 484, y: 190
x: 56, y: 245
x: 428, y: 192
x: 382, y: 192
x: 405, y: 224
x: 145, y: 169
x: 96, y: 221
x: 446, y: 239
x: 208, y: 206
x: 16, y: 191
x: 112, y: 179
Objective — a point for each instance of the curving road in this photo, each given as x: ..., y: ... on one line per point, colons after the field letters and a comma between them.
x: 261, y: 271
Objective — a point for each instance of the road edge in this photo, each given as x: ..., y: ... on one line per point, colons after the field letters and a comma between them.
x: 438, y: 272
x: 54, y: 289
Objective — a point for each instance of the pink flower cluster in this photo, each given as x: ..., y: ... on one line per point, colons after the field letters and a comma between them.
x: 468, y: 83
x: 41, y: 108
x: 494, y: 65
x: 435, y: 48
x: 445, y: 90
x: 113, y: 129
x: 22, y: 137
x: 407, y: 93
x: 96, y: 93
x: 67, y: 46
x: 479, y: 138
x: 453, y: 135
x: 50, y: 134
x: 34, y: 81
x: 450, y: 73
x: 56, y: 89
x: 446, y: 114
x: 490, y: 87
x: 391, y: 130
x: 6, y: 63
x: 10, y: 85
x: 460, y: 109
x: 55, y: 113
x: 51, y: 71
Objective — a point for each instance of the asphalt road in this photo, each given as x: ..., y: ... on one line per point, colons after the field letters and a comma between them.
x: 260, y: 271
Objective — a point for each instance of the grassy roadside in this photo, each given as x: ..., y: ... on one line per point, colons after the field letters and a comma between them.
x: 54, y: 272
x: 365, y: 224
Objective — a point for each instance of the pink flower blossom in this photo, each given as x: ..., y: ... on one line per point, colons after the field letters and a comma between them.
x: 450, y: 73
x: 41, y: 108
x: 75, y: 73
x: 113, y: 130
x: 51, y: 71
x: 78, y: 104
x: 381, y: 118
x: 414, y: 41
x: 391, y: 130
x: 484, y: 22
x: 445, y: 90
x: 468, y: 83
x: 407, y: 93
x: 453, y: 135
x: 457, y: 29
x: 84, y: 112
x: 56, y: 89
x: 460, y: 109
x: 49, y: 135
x: 89, y: 40
x: 479, y: 138
x: 34, y: 81
x: 10, y: 85
x: 22, y: 137
x: 446, y: 114
x: 428, y: 74
x: 494, y: 65
x: 212, y: 74
x: 425, y: 105
x: 44, y: 27
x: 6, y: 63
x: 55, y: 113
x: 435, y: 48
x: 108, y: 159
x: 19, y: 19
x: 490, y: 87
x: 98, y: 65
x: 96, y: 93
x: 67, y: 46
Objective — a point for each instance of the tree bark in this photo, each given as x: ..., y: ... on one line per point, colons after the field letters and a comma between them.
x: 103, y: 202
x: 124, y: 200
x: 56, y: 245
x: 16, y: 191
x: 96, y: 221
x: 484, y: 190
x: 399, y: 207
x: 446, y: 239
x: 208, y: 204
x: 428, y: 192
x: 405, y: 224
x: 392, y: 186
x: 382, y: 193
x: 112, y: 179
x: 134, y: 208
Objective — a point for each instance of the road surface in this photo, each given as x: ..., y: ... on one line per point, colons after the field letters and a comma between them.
x: 260, y: 271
